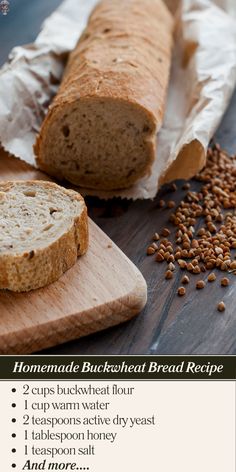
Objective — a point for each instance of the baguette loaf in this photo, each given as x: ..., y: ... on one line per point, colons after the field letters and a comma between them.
x: 43, y: 230
x: 100, y: 131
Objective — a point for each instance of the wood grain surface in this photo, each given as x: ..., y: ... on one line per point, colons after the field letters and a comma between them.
x: 101, y: 290
x: 168, y: 325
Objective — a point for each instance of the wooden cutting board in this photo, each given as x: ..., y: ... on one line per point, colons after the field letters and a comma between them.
x: 103, y: 289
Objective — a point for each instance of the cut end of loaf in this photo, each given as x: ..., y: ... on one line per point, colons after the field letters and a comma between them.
x: 97, y: 143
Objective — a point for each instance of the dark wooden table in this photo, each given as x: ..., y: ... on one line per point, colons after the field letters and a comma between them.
x: 168, y: 325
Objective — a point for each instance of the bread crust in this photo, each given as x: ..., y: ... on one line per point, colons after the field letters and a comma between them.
x: 37, y: 268
x: 143, y: 37
x: 58, y: 173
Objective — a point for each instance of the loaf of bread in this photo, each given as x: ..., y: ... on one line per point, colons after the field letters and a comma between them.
x: 100, y: 131
x: 43, y: 228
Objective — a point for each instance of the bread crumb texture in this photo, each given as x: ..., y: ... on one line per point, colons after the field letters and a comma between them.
x: 43, y: 228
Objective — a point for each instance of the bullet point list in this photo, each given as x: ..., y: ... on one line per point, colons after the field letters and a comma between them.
x: 42, y: 430
x: 13, y: 390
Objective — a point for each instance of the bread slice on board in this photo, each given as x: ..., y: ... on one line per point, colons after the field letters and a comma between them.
x: 100, y: 131
x: 43, y: 228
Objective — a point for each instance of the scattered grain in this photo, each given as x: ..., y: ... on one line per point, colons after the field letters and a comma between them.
x: 211, y: 277
x: 200, y: 284
x: 171, y: 258
x: 162, y: 203
x: 214, y: 206
x: 155, y: 246
x: 182, y: 263
x: 156, y: 237
x: 171, y: 266
x: 165, y: 232
x: 173, y: 187
x: 150, y: 251
x: 171, y: 204
x: 221, y: 306
x: 159, y: 257
x: 185, y: 280
x: 224, y: 282
x: 190, y: 267
x: 186, y: 186
x: 181, y: 291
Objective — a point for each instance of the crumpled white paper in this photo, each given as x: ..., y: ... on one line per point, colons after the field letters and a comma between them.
x: 202, y: 81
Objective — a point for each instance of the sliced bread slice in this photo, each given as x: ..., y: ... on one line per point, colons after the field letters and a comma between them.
x: 43, y: 228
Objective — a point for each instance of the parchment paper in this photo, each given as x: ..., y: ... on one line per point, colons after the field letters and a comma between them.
x: 203, y: 78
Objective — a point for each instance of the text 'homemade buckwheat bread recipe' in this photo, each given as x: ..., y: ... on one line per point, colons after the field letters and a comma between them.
x: 100, y: 131
x: 43, y: 229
